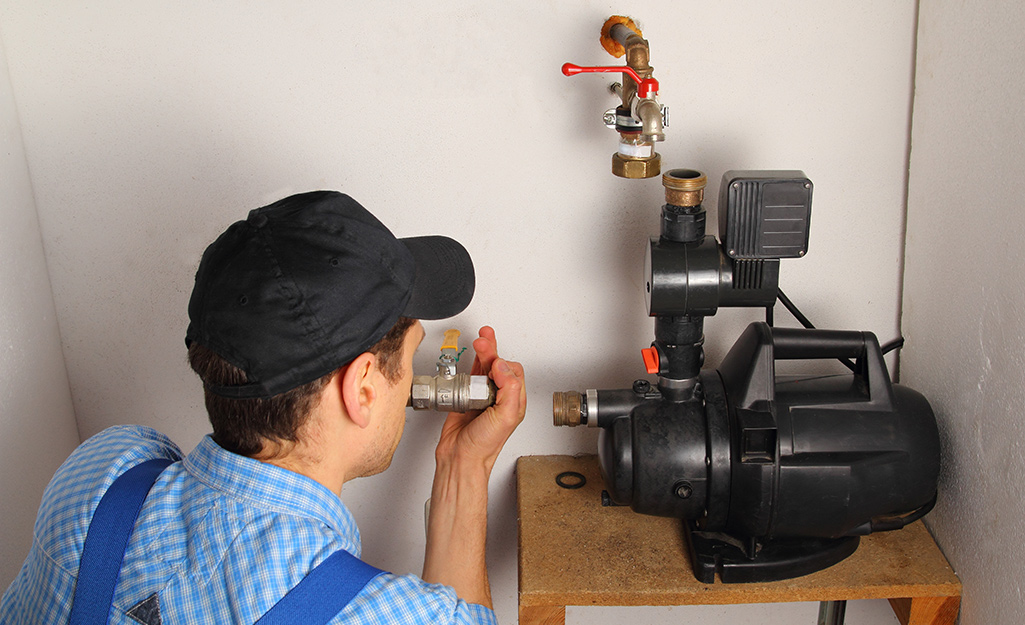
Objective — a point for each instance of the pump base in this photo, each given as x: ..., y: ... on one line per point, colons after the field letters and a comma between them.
x: 783, y: 558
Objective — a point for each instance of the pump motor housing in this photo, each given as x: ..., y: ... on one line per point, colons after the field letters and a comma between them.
x: 760, y: 458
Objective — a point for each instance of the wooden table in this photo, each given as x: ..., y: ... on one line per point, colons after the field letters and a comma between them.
x: 573, y: 551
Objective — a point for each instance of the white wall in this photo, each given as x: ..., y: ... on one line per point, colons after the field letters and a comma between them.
x: 37, y: 422
x: 964, y: 297
x: 150, y: 126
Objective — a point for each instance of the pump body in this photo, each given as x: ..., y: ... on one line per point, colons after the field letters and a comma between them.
x: 759, y: 458
x: 775, y: 477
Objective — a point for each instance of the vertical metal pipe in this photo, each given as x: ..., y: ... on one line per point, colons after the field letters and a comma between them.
x: 832, y: 612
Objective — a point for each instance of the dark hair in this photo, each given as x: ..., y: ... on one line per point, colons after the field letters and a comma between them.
x: 242, y: 426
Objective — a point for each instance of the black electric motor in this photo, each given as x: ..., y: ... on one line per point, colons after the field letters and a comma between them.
x: 775, y: 476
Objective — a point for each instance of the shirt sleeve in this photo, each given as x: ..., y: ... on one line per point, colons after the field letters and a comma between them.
x: 407, y: 599
x: 76, y: 488
x: 43, y: 589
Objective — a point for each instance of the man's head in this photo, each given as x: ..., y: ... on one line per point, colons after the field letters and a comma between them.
x: 299, y: 289
x: 243, y: 426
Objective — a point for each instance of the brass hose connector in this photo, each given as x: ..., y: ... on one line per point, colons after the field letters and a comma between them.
x: 684, y: 187
x: 567, y: 408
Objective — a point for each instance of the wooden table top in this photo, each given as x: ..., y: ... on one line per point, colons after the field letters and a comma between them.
x: 574, y: 551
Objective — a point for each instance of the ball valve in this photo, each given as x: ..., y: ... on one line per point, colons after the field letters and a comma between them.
x: 640, y: 119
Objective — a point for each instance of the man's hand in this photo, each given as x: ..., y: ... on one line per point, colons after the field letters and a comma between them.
x: 480, y: 436
x: 469, y: 445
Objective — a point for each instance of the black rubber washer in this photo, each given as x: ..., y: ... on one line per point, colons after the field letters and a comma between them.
x: 560, y: 479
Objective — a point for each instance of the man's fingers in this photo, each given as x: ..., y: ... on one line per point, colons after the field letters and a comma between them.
x: 512, y: 392
x: 486, y: 349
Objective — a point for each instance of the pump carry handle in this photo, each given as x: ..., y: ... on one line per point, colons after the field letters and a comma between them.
x: 749, y: 374
x: 801, y: 344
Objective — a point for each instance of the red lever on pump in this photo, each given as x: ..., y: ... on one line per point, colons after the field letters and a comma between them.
x: 645, y: 86
x: 651, y: 359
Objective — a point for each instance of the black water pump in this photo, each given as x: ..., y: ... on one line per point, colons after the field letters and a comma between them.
x: 775, y: 476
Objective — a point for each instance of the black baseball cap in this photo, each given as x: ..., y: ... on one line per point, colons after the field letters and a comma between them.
x: 306, y: 284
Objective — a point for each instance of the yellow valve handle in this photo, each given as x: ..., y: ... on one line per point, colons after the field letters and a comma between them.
x: 451, y: 340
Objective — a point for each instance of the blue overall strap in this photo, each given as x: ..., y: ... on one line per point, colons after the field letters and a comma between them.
x: 107, y: 539
x: 322, y: 594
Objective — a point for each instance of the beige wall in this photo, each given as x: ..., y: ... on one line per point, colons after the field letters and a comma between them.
x: 37, y: 423
x: 964, y: 294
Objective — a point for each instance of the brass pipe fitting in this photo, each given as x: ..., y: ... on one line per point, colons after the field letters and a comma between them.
x: 630, y: 167
x: 638, y: 55
x: 684, y: 187
x: 636, y: 156
x: 567, y: 408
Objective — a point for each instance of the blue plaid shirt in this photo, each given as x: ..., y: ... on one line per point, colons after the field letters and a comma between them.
x: 220, y: 539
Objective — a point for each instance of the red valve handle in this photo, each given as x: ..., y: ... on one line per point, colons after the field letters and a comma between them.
x: 645, y: 86
x: 651, y: 359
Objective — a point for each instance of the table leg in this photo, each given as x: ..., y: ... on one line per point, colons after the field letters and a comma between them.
x: 832, y: 612
x: 926, y: 610
x: 543, y: 615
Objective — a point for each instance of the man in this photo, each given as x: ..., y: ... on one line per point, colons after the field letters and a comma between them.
x: 303, y: 324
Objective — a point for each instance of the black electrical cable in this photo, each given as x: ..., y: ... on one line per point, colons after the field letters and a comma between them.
x: 793, y: 310
x: 895, y: 523
x: 896, y: 343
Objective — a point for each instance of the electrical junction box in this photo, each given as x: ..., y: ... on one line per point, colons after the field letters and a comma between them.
x: 764, y: 214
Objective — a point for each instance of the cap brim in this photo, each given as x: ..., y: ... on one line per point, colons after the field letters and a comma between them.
x: 444, y: 282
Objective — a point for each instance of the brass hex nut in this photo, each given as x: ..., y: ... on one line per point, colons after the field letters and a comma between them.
x: 635, y: 168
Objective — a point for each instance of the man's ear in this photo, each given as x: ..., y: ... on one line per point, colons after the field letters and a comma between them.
x: 358, y: 392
